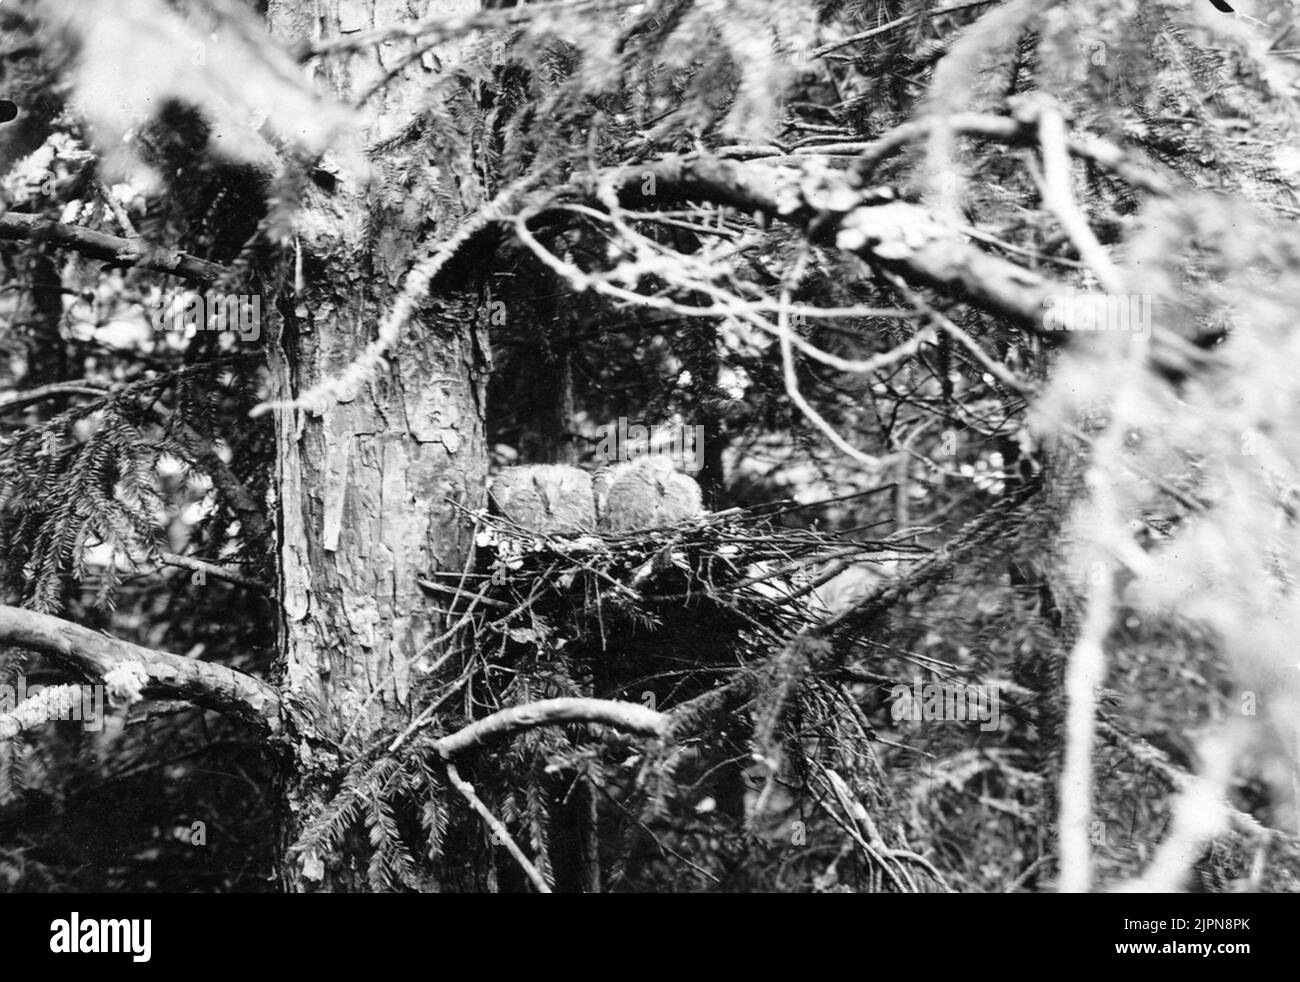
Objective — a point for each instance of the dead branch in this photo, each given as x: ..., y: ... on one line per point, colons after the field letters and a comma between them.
x: 898, y: 236
x: 53, y: 702
x: 630, y: 717
x: 19, y: 399
x: 215, y: 571
x: 114, y: 249
x: 498, y: 830
x: 92, y: 654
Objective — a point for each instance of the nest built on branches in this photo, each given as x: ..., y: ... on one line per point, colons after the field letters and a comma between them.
x: 669, y: 609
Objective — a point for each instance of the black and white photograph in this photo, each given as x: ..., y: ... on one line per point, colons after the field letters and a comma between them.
x: 650, y: 447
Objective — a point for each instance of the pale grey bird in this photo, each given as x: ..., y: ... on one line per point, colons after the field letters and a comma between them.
x: 645, y: 493
x: 568, y: 496
x: 681, y: 497
x: 600, y: 484
x: 549, y: 499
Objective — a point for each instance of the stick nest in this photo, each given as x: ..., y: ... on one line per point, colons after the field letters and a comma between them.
x: 679, y: 605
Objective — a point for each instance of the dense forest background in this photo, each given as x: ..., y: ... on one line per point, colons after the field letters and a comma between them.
x: 826, y: 236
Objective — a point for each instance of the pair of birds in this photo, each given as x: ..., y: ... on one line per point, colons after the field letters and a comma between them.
x: 558, y: 499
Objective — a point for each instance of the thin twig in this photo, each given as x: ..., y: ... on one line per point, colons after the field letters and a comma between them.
x: 114, y: 249
x: 1059, y: 196
x: 213, y: 570
x: 498, y: 830
x: 897, y: 22
x: 19, y: 399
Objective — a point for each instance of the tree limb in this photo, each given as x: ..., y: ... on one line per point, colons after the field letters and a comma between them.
x: 498, y: 830
x: 20, y: 399
x: 98, y: 245
x: 51, y: 703
x: 94, y: 655
x: 897, y: 22
x: 626, y: 716
x: 214, y: 570
x: 631, y: 717
x: 897, y: 236
x: 1006, y: 128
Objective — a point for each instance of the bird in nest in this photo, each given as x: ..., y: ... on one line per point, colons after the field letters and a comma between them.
x: 646, y: 493
x: 545, y: 498
x: 563, y: 500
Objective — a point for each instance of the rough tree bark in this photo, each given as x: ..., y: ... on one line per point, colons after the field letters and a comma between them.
x: 366, y: 489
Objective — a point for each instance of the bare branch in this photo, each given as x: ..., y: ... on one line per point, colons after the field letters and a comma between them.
x: 467, y: 791
x: 20, y: 399
x: 870, y: 153
x: 213, y: 570
x: 904, y: 238
x: 1085, y: 672
x: 98, y: 245
x: 51, y: 703
x: 94, y: 655
x: 626, y: 716
x: 629, y: 717
x: 897, y: 22
x: 1059, y: 195
x: 998, y: 371
x: 445, y: 27
x: 792, y: 382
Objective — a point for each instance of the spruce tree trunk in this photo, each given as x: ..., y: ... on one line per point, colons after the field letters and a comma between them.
x: 366, y: 489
